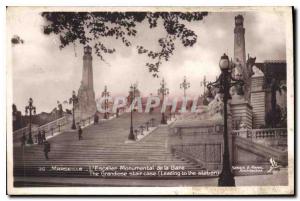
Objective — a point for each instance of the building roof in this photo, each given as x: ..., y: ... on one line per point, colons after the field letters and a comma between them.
x: 273, y: 69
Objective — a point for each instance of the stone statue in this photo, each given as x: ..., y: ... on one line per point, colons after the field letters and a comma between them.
x: 246, y: 76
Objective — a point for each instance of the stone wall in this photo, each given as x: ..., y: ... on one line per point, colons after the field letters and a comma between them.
x: 241, y: 112
x: 258, y: 101
x: 198, y: 141
x: 248, y: 152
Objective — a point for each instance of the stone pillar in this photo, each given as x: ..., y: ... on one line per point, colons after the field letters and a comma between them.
x: 241, y: 112
x: 229, y: 128
x: 258, y: 98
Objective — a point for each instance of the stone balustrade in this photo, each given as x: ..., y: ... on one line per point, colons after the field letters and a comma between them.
x: 261, y: 133
x: 141, y: 129
x: 19, y: 132
x: 51, y: 128
x: 208, y: 155
x: 270, y: 137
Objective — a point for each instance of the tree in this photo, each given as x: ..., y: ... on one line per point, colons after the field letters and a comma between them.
x: 16, y: 40
x: 17, y: 118
x: 274, y: 116
x: 91, y: 27
x: 60, y: 109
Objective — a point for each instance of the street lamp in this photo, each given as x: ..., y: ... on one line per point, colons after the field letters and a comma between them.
x: 224, y: 82
x: 60, y: 109
x: 132, y: 92
x: 105, y: 94
x: 163, y: 91
x: 204, y: 84
x: 73, y: 100
x: 184, y: 85
x: 31, y: 109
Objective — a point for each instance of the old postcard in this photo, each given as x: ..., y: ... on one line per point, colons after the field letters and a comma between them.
x: 150, y: 101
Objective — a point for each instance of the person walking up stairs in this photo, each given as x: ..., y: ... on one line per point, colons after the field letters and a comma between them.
x: 79, y: 133
x: 46, y: 149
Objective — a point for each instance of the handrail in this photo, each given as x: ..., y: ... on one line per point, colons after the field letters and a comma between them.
x: 198, y: 151
x: 58, y: 125
x: 25, y: 129
x: 144, y: 127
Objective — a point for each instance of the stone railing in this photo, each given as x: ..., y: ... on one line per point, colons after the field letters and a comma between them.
x: 144, y: 128
x: 261, y: 133
x: 57, y: 126
x: 20, y: 132
x: 58, y: 123
x: 264, y: 148
x: 208, y: 155
x: 86, y: 121
x: 170, y: 116
x: 270, y: 137
x: 111, y: 114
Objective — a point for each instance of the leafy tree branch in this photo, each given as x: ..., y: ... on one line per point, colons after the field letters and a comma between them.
x: 93, y: 27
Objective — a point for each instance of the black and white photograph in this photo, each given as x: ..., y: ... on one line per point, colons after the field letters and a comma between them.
x: 192, y: 100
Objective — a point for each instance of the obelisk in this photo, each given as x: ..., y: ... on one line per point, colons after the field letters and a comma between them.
x: 239, y: 41
x: 86, y: 94
x: 241, y: 71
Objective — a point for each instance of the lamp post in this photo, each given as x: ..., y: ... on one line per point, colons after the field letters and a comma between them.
x: 163, y: 91
x: 204, y: 84
x: 73, y: 100
x: 60, y: 109
x: 184, y: 85
x: 105, y: 94
x: 224, y: 82
x: 32, y: 110
x: 132, y: 92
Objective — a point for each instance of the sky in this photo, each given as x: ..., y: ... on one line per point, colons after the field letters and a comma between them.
x: 47, y: 74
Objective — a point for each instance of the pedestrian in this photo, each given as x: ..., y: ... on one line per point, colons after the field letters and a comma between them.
x: 117, y: 112
x: 46, y: 149
x: 39, y: 137
x: 23, y: 140
x: 79, y: 133
x: 96, y: 118
x: 44, y: 136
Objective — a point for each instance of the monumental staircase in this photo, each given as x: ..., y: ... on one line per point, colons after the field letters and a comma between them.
x: 106, y: 152
x: 104, y: 145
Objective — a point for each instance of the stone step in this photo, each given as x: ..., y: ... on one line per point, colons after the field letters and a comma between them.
x: 102, y: 144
